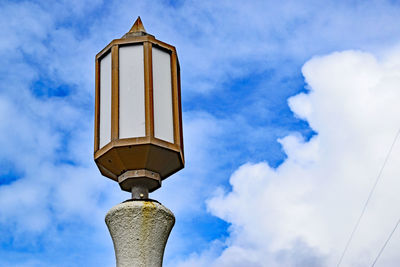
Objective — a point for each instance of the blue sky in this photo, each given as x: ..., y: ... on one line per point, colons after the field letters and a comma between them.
x: 289, y: 110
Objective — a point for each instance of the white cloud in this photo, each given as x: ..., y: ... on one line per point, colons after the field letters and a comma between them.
x: 301, y: 213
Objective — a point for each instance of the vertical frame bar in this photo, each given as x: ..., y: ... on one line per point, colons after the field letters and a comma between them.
x: 115, y: 93
x: 180, y: 112
x: 97, y: 106
x: 175, y: 101
x: 148, y: 87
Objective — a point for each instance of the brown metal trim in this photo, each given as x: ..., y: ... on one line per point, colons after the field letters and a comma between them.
x: 139, y: 39
x: 182, y: 157
x: 175, y: 108
x: 171, y: 173
x: 115, y: 92
x: 122, y: 142
x: 164, y: 144
x: 104, y: 51
x: 132, y: 141
x: 97, y: 106
x: 148, y: 85
x: 132, y: 40
x: 103, y: 150
x: 136, y: 141
x: 178, y: 69
x: 106, y: 172
x: 164, y: 45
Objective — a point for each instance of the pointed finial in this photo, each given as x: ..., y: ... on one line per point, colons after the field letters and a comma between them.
x: 138, y: 26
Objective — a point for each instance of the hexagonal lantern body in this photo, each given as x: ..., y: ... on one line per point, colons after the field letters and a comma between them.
x: 138, y: 116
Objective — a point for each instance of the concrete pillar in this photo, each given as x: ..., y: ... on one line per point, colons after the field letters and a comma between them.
x: 139, y: 230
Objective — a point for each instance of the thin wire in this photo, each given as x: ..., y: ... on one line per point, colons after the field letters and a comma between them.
x: 386, y: 242
x: 368, y: 199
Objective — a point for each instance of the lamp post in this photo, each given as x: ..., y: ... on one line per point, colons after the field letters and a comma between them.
x: 138, y: 139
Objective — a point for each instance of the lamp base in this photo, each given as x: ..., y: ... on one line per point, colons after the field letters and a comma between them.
x: 139, y: 230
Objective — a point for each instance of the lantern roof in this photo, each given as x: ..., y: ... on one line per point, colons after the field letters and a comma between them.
x: 136, y: 30
x: 137, y: 26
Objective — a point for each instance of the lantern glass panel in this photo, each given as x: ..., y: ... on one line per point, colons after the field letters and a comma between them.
x: 131, y: 92
x: 162, y: 95
x: 105, y: 100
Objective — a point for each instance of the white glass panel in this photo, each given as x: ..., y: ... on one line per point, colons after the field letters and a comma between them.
x: 105, y: 100
x: 131, y: 92
x: 162, y: 96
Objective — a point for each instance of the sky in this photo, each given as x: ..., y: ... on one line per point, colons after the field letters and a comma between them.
x: 290, y: 109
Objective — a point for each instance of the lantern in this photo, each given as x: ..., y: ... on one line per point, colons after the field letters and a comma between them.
x: 138, y: 118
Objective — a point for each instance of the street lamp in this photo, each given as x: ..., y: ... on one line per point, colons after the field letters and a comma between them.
x: 138, y: 139
x: 138, y: 118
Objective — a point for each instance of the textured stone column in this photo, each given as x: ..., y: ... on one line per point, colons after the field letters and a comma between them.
x: 139, y: 230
